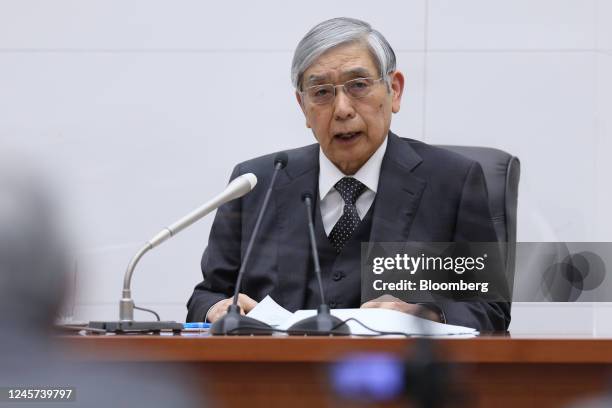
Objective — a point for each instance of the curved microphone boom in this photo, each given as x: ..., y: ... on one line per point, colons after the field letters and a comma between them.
x: 235, y: 189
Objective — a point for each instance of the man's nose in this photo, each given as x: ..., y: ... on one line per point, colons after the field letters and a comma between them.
x: 343, y: 105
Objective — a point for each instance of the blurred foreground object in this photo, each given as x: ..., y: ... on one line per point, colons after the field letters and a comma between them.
x: 379, y: 378
x: 33, y: 268
x: 32, y: 256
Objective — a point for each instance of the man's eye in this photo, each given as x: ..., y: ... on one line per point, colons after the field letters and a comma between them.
x: 359, y: 85
x: 321, y: 92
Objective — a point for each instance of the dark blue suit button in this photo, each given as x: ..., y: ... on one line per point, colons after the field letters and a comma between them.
x: 338, y: 275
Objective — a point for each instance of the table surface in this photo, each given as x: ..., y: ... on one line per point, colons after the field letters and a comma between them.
x: 204, y: 348
x: 500, y: 371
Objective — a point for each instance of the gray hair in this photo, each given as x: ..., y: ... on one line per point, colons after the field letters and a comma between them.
x: 339, y: 31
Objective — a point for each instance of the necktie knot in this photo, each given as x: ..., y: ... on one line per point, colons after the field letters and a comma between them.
x: 350, y: 189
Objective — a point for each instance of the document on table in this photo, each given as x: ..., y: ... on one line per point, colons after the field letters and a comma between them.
x: 270, y: 312
x: 386, y: 320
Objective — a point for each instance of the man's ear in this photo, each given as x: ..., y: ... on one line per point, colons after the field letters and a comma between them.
x: 301, y: 103
x: 397, y: 90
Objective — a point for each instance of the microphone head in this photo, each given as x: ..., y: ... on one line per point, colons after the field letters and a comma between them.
x: 240, y: 186
x: 280, y: 160
x: 251, y: 178
x: 306, y: 196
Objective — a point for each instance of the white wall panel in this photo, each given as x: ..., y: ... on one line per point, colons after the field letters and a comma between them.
x: 192, y: 24
x: 408, y: 122
x: 604, y: 25
x: 516, y: 24
x: 145, y: 137
x: 602, y: 320
x: 552, y: 318
x: 540, y: 108
x: 603, y: 144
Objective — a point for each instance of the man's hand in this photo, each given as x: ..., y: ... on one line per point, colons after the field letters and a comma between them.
x: 219, y: 309
x: 393, y: 303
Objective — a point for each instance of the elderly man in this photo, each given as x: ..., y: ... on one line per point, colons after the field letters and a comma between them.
x: 371, y: 185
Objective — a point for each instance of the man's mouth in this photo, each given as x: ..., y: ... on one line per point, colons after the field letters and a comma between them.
x: 347, y: 136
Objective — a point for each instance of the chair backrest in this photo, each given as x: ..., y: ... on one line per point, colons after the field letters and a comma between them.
x: 502, y: 172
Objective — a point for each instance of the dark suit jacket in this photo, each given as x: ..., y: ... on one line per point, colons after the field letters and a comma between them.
x: 424, y: 193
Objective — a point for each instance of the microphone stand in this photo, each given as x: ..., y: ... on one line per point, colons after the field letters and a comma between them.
x: 323, y: 323
x: 234, y: 323
x: 126, y: 324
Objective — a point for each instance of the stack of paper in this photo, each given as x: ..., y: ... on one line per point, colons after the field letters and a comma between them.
x: 383, y: 320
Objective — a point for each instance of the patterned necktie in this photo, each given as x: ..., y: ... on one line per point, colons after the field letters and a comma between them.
x: 350, y: 189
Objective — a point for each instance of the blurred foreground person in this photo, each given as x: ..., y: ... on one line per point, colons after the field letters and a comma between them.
x: 33, y: 269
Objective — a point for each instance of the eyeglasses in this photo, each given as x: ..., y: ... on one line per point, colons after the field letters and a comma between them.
x: 355, y: 88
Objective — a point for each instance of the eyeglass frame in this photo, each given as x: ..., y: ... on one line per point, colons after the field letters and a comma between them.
x: 343, y: 85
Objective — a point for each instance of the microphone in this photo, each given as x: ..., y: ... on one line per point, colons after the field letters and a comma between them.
x: 235, y: 189
x: 233, y: 323
x: 323, y: 323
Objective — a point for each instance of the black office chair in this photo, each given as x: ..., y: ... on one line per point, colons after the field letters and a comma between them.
x: 502, y: 172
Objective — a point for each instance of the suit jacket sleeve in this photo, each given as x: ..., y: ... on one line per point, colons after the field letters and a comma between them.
x: 474, y: 224
x: 221, y: 259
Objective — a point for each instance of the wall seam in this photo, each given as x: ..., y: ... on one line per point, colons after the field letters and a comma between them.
x: 425, y: 73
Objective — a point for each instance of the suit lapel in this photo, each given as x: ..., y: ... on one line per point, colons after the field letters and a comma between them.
x: 399, y: 192
x: 397, y: 200
x: 300, y: 176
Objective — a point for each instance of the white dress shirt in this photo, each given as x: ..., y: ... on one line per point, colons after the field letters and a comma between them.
x: 332, y: 204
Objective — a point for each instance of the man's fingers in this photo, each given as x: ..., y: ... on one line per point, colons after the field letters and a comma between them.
x: 382, y: 302
x: 218, y: 310
x: 246, y: 303
x: 216, y: 316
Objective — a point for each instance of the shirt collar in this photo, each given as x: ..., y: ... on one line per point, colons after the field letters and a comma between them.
x: 368, y: 174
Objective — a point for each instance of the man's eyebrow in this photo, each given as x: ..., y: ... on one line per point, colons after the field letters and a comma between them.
x: 316, y: 78
x: 354, y: 73
x: 357, y: 72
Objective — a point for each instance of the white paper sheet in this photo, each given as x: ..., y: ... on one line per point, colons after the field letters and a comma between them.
x: 270, y: 312
x: 387, y: 320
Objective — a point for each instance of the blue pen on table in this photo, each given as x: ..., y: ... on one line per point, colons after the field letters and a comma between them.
x: 198, y: 325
